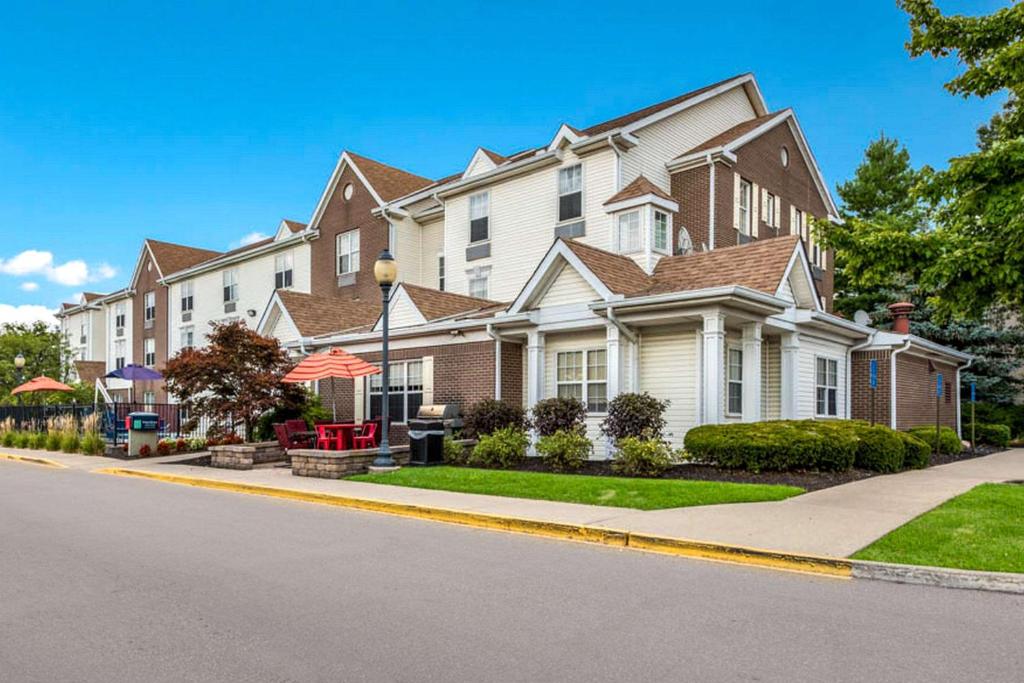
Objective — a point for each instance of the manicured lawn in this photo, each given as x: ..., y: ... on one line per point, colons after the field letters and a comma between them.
x: 981, y: 529
x: 641, y: 494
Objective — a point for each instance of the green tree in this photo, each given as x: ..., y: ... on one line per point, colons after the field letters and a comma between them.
x: 44, y: 349
x: 978, y: 200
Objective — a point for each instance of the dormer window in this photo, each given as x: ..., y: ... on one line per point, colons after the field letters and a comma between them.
x: 479, y: 217
x: 570, y: 193
x: 661, y: 231
x: 628, y: 237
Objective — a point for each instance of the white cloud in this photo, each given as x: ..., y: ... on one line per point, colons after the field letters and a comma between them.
x: 251, y: 238
x: 70, y: 274
x: 27, y: 313
x: 28, y: 286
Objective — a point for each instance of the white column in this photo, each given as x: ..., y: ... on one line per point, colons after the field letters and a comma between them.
x: 790, y: 369
x: 535, y: 367
x: 714, y: 364
x: 752, y: 372
x: 614, y: 347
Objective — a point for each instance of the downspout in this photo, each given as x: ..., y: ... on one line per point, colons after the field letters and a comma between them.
x: 711, y: 203
x: 892, y: 382
x: 849, y: 373
x: 959, y: 409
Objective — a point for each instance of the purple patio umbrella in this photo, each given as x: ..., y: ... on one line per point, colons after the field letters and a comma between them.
x: 135, y: 373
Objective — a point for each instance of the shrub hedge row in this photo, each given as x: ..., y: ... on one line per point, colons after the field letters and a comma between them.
x: 949, y: 442
x: 991, y: 434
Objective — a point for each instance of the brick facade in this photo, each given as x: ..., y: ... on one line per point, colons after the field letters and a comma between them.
x: 148, y: 282
x: 860, y: 386
x: 915, y: 392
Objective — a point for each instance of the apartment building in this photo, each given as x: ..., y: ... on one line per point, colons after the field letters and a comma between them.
x: 82, y: 326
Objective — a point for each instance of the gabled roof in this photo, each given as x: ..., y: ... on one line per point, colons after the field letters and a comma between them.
x: 171, y: 257
x: 759, y: 265
x: 294, y: 226
x: 389, y: 182
x: 434, y: 304
x: 639, y: 188
x: 318, y: 315
x: 731, y: 135
x: 90, y: 370
x: 89, y: 297
x: 620, y: 274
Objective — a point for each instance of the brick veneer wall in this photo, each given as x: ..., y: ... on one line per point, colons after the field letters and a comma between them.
x: 915, y: 393
x: 860, y: 386
x: 148, y: 282
x: 463, y: 374
x: 690, y: 188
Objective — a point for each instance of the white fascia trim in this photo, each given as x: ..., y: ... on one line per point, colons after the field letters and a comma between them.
x: 218, y: 263
x: 728, y: 149
x: 478, y: 156
x: 564, y: 134
x: 759, y: 103
x: 138, y: 265
x: 643, y: 200
x: 419, y: 330
x: 889, y: 340
x: 696, y: 295
x: 538, y: 282
x: 800, y: 256
x: 275, y: 300
x: 332, y: 183
x: 698, y: 159
x: 499, y: 173
x: 819, y: 178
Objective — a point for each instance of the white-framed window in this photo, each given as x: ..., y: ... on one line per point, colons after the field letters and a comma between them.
x: 479, y: 284
x: 440, y: 272
x: 628, y: 232
x: 405, y: 391
x: 119, y: 316
x: 83, y: 332
x: 149, y: 399
x: 744, y: 207
x: 187, y: 337
x: 799, y: 226
x: 230, y: 281
x: 480, y: 217
x: 583, y: 375
x: 120, y: 345
x: 348, y: 252
x: 187, y: 296
x: 826, y: 387
x: 283, y: 270
x: 570, y: 193
x: 149, y: 352
x: 770, y: 202
x: 662, y: 230
x: 149, y: 308
x: 734, y: 374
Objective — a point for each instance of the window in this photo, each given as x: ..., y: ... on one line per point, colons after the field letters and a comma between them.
x: 798, y: 227
x: 478, y: 285
x: 734, y: 405
x: 187, y: 298
x: 827, y: 387
x: 570, y: 193
x: 283, y: 271
x: 348, y: 252
x: 479, y: 217
x: 119, y: 349
x: 149, y: 303
x: 440, y: 272
x: 230, y: 280
x: 629, y: 232
x: 119, y: 316
x: 149, y: 352
x: 583, y: 375
x: 769, y: 209
x: 744, y: 207
x: 83, y: 333
x: 187, y: 337
x: 661, y: 231
x: 405, y: 391
x: 149, y: 398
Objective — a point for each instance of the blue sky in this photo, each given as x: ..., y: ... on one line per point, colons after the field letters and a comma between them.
x: 204, y: 122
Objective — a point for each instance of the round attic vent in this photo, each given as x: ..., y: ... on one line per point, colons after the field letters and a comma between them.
x: 347, y: 191
x: 784, y: 156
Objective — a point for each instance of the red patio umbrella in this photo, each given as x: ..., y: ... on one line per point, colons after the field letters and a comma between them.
x: 335, y: 363
x: 41, y: 383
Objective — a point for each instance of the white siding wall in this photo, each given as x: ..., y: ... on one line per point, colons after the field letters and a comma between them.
x: 110, y: 311
x: 568, y: 288
x: 408, y: 249
x: 580, y: 341
x: 255, y: 287
x: 675, y: 135
x: 811, y: 348
x: 668, y: 371
x: 523, y: 215
x: 431, y: 244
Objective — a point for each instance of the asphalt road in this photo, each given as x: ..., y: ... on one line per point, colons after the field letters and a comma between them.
x: 113, y: 579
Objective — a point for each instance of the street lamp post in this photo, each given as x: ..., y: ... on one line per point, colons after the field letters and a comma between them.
x: 385, y: 271
x: 19, y: 366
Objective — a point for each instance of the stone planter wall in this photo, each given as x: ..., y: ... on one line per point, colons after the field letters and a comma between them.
x: 338, y: 464
x: 247, y: 455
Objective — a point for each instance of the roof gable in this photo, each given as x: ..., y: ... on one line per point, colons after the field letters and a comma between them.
x: 567, y: 287
x: 169, y: 257
x: 415, y: 305
x: 288, y: 228
x: 314, y: 316
x: 483, y: 160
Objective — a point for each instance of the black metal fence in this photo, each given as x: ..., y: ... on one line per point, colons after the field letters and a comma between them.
x: 173, y: 419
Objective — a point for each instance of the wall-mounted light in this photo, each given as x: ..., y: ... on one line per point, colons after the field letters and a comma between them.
x: 251, y: 312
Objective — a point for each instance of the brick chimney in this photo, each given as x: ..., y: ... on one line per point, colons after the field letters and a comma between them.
x: 901, y: 316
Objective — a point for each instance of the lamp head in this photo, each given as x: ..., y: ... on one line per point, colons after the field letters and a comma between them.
x: 385, y: 270
x: 19, y: 361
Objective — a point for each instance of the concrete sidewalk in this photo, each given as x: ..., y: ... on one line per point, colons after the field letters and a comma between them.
x: 833, y: 522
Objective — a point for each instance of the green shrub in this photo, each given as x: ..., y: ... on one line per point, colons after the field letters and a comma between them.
x: 990, y: 413
x: 8, y: 439
x: 93, y: 444
x: 641, y: 457
x: 879, y: 449
x: 505, y: 447
x: 916, y: 453
x: 777, y: 446
x: 949, y: 442
x: 39, y: 440
x: 311, y: 411
x: 560, y: 414
x: 70, y: 443
x: 566, y: 450
x: 839, y: 446
x: 634, y: 415
x: 23, y: 440
x: 489, y: 416
x: 53, y: 440
x: 455, y: 453
x: 196, y: 443
x: 992, y: 434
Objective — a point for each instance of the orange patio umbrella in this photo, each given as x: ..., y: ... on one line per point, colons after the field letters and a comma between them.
x: 41, y: 383
x: 335, y: 363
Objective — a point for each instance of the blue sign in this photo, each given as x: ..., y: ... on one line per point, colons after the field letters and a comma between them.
x: 938, y: 385
x: 874, y: 373
x: 972, y: 392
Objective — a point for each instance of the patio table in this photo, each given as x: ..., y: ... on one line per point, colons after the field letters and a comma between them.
x: 340, y: 435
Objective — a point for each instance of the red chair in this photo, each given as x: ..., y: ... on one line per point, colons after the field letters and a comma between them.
x: 325, y: 441
x: 282, y: 436
x: 367, y: 437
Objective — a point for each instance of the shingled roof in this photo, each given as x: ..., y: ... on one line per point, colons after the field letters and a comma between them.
x: 170, y: 258
x: 727, y: 136
x: 294, y: 226
x: 319, y: 315
x: 638, y: 188
x: 434, y: 304
x: 619, y: 273
x: 387, y: 181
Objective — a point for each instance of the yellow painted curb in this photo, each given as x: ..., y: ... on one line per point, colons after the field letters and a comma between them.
x: 45, y: 462
x: 827, y: 566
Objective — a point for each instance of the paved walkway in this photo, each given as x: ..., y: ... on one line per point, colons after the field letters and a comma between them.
x: 834, y: 522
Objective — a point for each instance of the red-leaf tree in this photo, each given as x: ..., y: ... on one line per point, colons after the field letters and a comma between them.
x: 234, y: 379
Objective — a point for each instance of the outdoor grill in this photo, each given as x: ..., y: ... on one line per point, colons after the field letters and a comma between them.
x: 427, y: 431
